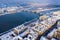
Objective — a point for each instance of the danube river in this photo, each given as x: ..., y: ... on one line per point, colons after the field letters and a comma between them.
x: 10, y: 21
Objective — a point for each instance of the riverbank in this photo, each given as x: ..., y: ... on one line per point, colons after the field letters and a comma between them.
x: 12, y: 10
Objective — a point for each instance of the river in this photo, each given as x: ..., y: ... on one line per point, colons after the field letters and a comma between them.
x: 10, y: 21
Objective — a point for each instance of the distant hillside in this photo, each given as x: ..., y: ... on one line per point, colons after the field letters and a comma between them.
x: 53, y: 6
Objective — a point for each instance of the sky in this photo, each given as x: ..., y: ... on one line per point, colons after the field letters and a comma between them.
x: 57, y: 2
x: 32, y: 2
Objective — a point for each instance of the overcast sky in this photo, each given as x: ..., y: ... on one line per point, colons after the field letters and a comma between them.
x: 57, y: 2
x: 54, y: 2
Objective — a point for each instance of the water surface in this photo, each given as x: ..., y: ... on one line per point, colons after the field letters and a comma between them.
x: 9, y: 21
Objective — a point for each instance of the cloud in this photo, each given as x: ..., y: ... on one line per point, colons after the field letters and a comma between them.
x: 32, y: 2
